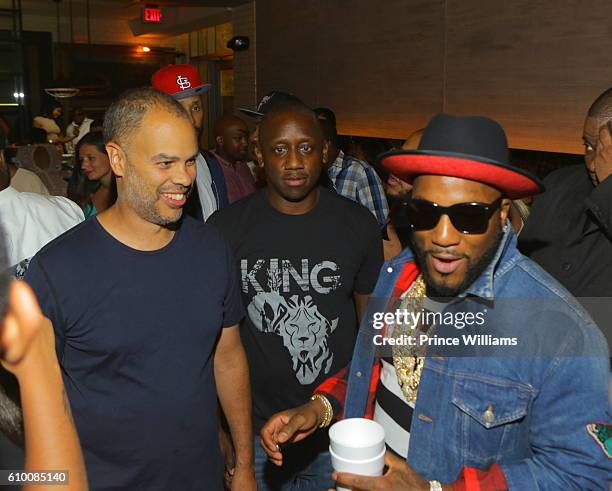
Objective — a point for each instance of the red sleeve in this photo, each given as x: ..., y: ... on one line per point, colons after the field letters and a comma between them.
x: 334, y: 388
x: 372, y: 391
x: 472, y: 479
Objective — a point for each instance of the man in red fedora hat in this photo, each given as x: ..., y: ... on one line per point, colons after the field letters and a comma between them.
x: 184, y: 84
x: 485, y: 373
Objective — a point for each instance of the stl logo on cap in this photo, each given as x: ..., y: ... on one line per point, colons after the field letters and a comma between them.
x: 183, y: 82
x: 180, y: 81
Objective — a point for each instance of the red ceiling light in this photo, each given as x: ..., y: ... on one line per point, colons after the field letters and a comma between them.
x: 151, y: 14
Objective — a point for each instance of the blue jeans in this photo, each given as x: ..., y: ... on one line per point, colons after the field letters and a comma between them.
x: 306, y: 467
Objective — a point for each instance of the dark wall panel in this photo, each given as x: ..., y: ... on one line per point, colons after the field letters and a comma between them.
x: 377, y: 65
x: 536, y: 66
x: 386, y: 67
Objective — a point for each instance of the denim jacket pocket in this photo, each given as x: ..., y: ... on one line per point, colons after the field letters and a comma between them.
x: 490, y: 418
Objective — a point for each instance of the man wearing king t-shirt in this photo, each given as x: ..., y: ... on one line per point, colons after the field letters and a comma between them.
x: 145, y: 304
x: 308, y: 258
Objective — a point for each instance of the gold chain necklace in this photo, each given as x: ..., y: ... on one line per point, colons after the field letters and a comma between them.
x: 408, y: 360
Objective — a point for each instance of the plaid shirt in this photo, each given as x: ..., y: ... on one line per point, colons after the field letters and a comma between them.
x: 358, y: 181
x: 335, y: 388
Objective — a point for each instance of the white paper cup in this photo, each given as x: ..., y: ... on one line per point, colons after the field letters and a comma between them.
x: 357, y: 439
x: 369, y: 467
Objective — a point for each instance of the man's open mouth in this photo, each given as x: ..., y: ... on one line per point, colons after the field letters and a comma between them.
x: 175, y: 200
x: 445, y: 263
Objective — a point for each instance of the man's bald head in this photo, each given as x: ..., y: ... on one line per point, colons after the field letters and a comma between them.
x: 602, y: 107
x: 231, y: 138
x: 227, y: 121
x: 599, y: 115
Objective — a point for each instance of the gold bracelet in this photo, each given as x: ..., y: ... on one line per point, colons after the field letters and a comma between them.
x: 435, y: 486
x: 329, y: 412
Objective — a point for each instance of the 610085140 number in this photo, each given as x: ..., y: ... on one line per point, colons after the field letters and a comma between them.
x: 30, y: 477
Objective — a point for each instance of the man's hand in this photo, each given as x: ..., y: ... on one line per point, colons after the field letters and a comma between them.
x: 227, y: 452
x: 290, y: 426
x: 399, y: 477
x: 603, y: 155
x: 244, y: 478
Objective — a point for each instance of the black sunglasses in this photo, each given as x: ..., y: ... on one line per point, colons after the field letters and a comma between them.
x: 467, y: 218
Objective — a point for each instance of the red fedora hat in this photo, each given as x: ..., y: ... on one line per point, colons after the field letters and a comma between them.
x: 469, y: 147
x: 180, y: 81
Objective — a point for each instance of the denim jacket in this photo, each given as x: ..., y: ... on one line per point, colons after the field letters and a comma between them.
x: 528, y: 413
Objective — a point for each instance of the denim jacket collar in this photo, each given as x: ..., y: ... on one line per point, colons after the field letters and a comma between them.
x: 505, y: 257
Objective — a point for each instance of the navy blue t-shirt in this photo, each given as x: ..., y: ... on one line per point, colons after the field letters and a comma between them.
x: 135, y: 334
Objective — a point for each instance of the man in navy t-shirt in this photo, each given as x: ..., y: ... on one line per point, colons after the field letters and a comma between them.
x: 145, y: 308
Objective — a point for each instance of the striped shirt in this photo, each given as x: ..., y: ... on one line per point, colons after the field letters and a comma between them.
x: 357, y: 180
x: 391, y: 409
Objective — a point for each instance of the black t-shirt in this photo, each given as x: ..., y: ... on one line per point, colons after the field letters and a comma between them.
x: 135, y: 334
x: 299, y: 273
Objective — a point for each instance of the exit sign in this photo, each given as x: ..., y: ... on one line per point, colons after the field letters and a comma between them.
x: 151, y: 13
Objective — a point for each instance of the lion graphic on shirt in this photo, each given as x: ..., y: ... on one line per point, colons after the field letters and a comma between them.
x: 304, y: 330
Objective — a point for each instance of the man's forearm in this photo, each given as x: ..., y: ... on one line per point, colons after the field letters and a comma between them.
x: 50, y: 435
x: 234, y: 391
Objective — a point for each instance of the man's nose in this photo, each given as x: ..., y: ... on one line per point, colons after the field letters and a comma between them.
x: 445, y: 234
x: 294, y: 160
x: 184, y: 175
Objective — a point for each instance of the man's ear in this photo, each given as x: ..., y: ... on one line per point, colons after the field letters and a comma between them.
x: 117, y: 158
x: 325, y: 152
x: 504, y: 211
x: 259, y: 155
x: 219, y: 141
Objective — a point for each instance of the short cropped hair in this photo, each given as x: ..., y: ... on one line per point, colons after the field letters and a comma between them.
x: 602, y: 107
x: 125, y: 115
x: 289, y: 106
x: 326, y: 113
x: 327, y: 118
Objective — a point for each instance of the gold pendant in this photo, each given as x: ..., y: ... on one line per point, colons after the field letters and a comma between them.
x: 406, y: 359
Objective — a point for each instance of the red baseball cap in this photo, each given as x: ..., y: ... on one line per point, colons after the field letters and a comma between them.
x: 179, y: 81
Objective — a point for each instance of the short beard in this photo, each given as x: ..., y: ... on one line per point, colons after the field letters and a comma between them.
x: 143, y: 205
x: 473, y: 271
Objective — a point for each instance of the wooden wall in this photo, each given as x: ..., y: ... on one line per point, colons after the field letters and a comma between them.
x: 245, y: 82
x: 387, y: 67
